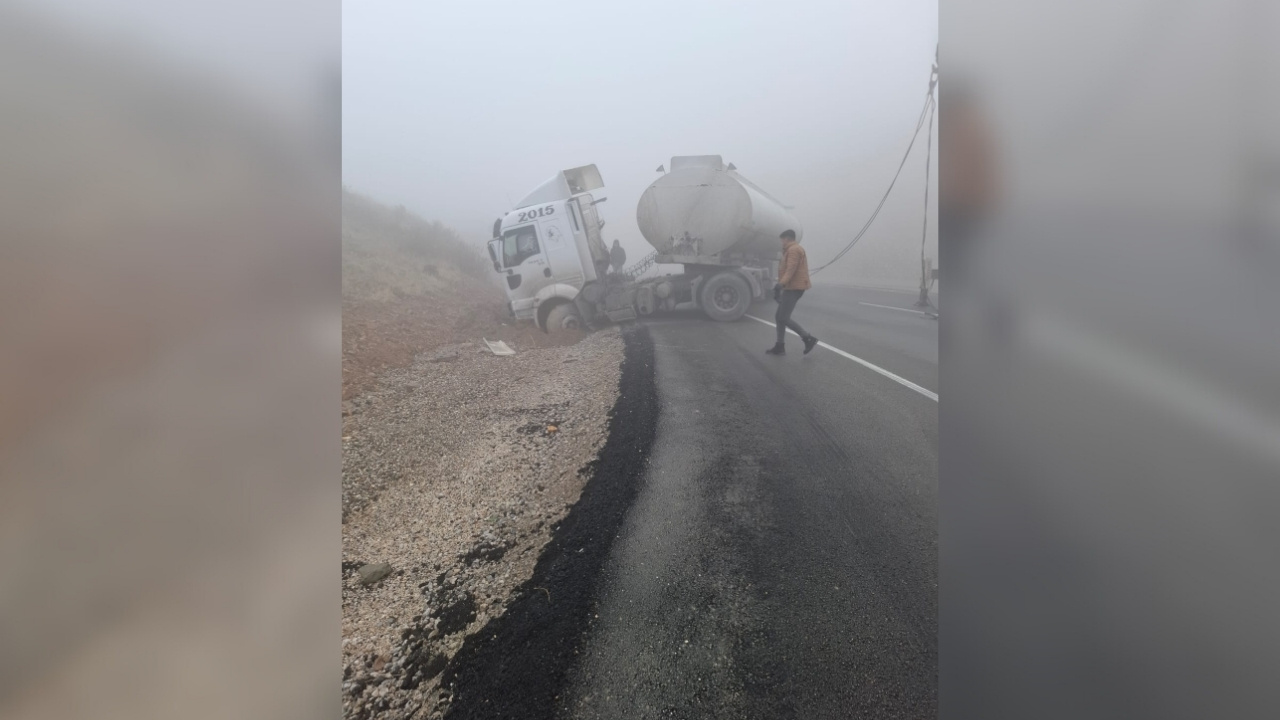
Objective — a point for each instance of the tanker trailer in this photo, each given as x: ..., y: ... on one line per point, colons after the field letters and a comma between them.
x: 721, y: 227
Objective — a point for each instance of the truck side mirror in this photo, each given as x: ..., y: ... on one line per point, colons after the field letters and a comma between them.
x: 597, y: 202
x: 493, y: 254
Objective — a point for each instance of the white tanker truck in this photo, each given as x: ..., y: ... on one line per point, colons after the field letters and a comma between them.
x: 702, y: 214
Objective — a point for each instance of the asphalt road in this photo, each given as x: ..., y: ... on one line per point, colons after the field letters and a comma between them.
x: 1112, y: 447
x: 780, y: 556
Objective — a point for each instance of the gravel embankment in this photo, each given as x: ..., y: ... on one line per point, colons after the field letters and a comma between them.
x: 455, y: 472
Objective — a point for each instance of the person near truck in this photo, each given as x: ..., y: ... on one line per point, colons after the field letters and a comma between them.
x: 617, y: 257
x: 793, y: 280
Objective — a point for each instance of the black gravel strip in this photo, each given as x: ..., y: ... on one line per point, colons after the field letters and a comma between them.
x: 517, y: 665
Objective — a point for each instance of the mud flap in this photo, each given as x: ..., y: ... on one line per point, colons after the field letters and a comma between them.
x: 644, y: 300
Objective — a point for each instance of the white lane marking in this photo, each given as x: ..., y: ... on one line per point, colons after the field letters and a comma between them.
x: 890, y: 307
x: 860, y: 286
x: 900, y: 380
x: 1141, y: 373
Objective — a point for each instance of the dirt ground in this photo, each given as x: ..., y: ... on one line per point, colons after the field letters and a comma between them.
x: 456, y: 471
x: 382, y: 335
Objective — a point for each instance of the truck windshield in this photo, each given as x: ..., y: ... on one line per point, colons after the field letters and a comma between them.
x: 519, y: 244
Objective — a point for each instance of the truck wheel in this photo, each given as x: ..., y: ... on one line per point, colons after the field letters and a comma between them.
x: 725, y: 297
x: 563, y: 317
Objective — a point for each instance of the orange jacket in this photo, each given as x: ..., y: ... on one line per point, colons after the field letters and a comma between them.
x: 793, y: 272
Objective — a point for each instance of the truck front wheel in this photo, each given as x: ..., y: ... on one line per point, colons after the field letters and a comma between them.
x: 725, y: 297
x: 563, y: 317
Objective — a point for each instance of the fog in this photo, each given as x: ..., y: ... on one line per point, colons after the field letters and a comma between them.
x: 456, y: 110
x: 169, y: 457
x: 284, y: 59
x: 169, y: 284
x: 1110, y: 414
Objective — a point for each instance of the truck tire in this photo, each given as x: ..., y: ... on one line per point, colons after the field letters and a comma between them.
x: 563, y: 317
x: 725, y: 297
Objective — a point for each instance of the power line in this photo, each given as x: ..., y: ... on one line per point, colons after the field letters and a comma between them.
x: 928, y: 103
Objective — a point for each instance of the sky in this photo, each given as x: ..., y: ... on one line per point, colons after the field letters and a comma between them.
x: 1124, y: 105
x: 455, y: 110
x: 278, y: 54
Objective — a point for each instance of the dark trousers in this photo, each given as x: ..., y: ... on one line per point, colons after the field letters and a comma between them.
x: 786, y: 304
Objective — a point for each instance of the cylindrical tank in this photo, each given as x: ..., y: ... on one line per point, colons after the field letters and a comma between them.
x: 702, y: 207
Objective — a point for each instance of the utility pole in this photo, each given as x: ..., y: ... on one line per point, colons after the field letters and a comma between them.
x: 1257, y: 162
x: 925, y: 269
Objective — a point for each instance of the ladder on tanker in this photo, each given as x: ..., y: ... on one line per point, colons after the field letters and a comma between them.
x: 640, y: 267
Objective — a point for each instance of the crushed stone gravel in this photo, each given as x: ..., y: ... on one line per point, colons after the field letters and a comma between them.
x: 456, y: 471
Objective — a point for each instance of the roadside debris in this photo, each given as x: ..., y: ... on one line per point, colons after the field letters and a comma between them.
x: 370, y: 574
x: 497, y: 347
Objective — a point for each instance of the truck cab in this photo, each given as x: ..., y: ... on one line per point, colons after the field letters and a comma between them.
x: 549, y: 247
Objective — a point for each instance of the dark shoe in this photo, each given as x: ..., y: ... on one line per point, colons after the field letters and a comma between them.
x: 776, y: 350
x: 810, y: 344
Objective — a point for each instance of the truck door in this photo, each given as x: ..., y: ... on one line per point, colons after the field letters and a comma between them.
x: 561, y: 249
x: 523, y: 261
x: 591, y: 221
x: 590, y: 227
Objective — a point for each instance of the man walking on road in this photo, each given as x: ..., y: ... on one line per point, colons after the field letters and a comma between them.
x: 793, y: 280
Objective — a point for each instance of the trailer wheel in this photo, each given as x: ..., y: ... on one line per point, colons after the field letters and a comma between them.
x: 563, y: 317
x: 725, y: 297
